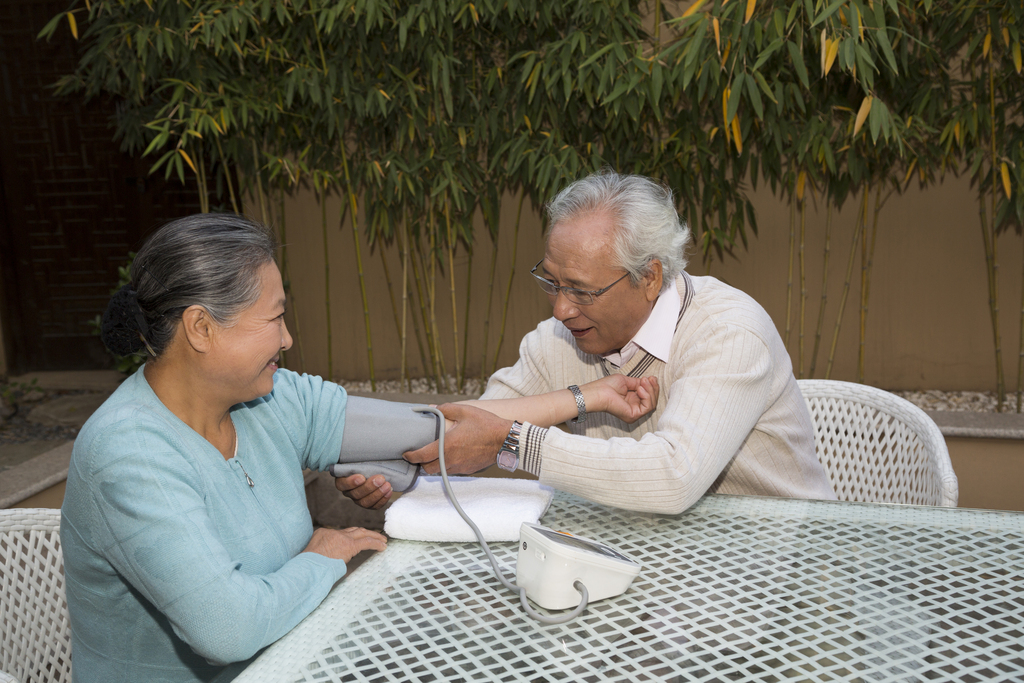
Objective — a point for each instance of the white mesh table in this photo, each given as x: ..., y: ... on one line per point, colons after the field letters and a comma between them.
x: 736, y: 588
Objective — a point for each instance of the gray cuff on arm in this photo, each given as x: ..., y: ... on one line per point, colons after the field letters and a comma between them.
x: 377, y: 433
x: 529, y: 456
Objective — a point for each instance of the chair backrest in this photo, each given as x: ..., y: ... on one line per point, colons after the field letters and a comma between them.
x: 35, y: 643
x: 878, y: 447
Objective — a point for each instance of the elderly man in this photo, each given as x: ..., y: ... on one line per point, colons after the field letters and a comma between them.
x: 729, y: 418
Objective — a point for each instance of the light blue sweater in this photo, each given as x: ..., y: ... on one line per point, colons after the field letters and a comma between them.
x: 174, y: 566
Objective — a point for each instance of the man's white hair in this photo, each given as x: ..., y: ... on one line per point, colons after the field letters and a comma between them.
x: 648, y: 225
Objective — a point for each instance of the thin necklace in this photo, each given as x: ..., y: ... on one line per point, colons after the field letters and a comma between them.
x: 248, y: 479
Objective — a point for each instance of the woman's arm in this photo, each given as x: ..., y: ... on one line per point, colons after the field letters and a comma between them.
x: 627, y: 398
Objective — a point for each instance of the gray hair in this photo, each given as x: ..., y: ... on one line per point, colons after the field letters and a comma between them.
x: 649, y: 227
x: 209, y: 260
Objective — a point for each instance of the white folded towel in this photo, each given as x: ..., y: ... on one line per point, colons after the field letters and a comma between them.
x: 497, y: 506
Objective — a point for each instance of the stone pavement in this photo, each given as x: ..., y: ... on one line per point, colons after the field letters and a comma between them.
x: 48, y: 417
x: 36, y: 445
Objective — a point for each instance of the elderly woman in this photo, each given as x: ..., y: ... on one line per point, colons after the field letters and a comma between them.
x: 188, y: 546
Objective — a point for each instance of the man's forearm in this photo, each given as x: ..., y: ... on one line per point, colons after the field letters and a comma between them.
x: 543, y: 410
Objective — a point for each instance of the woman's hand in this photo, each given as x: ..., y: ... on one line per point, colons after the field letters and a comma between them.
x: 627, y: 398
x: 344, y: 544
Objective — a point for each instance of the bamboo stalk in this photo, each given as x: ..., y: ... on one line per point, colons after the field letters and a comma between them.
x: 415, y: 320
x: 989, y: 258
x: 992, y: 237
x: 227, y: 174
x: 260, y: 195
x: 419, y: 278
x: 391, y: 292
x: 400, y: 323
x: 327, y: 280
x: 204, y: 190
x: 465, y: 321
x: 442, y: 378
x: 824, y: 287
x: 359, y: 264
x: 803, y: 287
x: 866, y: 283
x: 861, y: 218
x: 511, y: 274
x: 403, y: 377
x: 863, y: 290
x: 487, y: 317
x: 789, y: 280
x: 451, y: 289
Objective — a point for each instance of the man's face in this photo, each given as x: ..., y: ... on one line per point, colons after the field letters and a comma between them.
x: 580, y: 254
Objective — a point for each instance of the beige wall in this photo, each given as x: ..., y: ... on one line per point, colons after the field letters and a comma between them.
x: 989, y: 472
x: 928, y: 324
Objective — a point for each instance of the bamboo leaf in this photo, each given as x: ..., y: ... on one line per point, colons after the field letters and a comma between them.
x: 754, y: 93
x: 798, y: 62
x: 876, y: 119
x: 693, y: 8
x: 768, y: 51
x: 737, y: 137
x: 750, y: 10
x: 1016, y: 56
x: 764, y: 86
x: 823, y: 49
x: 50, y: 27
x: 829, y: 11
x: 188, y: 159
x: 593, y: 58
x: 862, y: 114
x: 1005, y: 171
x: 830, y: 57
x: 735, y: 93
x: 72, y: 24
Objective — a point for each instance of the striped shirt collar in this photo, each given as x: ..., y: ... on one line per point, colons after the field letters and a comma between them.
x: 655, y: 335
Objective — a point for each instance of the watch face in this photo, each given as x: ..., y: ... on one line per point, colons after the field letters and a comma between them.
x: 507, y: 460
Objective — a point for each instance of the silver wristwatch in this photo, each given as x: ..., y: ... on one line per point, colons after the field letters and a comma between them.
x: 508, y: 456
x: 581, y: 406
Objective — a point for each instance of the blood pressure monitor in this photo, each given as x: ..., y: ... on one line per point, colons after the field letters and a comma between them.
x: 550, y: 562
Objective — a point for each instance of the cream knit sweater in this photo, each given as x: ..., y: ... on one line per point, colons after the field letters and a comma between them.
x: 730, y: 417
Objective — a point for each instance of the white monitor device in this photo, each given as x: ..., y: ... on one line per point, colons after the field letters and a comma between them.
x: 551, y: 561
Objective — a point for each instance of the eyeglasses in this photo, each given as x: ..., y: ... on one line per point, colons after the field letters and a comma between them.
x: 580, y: 297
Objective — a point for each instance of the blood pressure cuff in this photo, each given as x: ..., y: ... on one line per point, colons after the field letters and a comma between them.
x: 377, y: 433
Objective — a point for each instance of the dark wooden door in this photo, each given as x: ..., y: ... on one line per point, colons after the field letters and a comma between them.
x: 72, y: 205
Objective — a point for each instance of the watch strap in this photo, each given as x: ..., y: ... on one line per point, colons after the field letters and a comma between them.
x: 581, y: 405
x: 508, y: 455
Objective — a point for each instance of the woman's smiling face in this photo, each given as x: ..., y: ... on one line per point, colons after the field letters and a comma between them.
x: 247, y: 352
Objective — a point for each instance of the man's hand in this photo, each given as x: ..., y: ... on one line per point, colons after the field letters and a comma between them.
x: 627, y: 398
x: 372, y: 494
x: 470, y: 446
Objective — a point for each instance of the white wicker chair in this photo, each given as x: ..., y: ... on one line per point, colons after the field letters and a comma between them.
x: 35, y: 644
x: 878, y: 447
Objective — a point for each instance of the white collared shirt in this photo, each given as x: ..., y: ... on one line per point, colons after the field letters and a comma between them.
x: 655, y: 335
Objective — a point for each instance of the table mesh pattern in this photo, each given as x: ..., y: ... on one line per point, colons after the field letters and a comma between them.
x: 36, y: 641
x: 756, y: 595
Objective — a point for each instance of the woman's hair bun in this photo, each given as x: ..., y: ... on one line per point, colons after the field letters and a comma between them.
x: 120, y: 329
